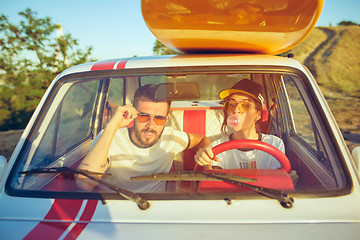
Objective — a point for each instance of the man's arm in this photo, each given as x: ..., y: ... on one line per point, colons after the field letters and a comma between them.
x: 198, y: 141
x: 203, y: 151
x: 96, y: 159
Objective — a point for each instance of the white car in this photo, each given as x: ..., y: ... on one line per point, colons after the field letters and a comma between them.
x: 39, y: 194
x: 40, y: 199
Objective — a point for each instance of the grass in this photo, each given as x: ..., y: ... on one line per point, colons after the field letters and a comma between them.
x: 332, y: 55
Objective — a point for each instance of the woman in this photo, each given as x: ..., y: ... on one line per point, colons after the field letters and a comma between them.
x: 243, y: 104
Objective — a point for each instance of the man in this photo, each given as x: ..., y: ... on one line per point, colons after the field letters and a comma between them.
x: 147, y: 147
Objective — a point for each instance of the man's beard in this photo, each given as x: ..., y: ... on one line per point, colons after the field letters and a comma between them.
x: 144, y: 142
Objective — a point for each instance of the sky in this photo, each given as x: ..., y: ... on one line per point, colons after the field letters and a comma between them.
x: 116, y: 29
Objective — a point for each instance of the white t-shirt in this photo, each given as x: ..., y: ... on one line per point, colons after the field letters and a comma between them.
x: 128, y: 160
x: 253, y: 159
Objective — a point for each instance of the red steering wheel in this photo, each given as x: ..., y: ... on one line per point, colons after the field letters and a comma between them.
x: 253, y: 144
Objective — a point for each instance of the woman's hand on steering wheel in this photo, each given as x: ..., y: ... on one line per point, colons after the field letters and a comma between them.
x: 254, y: 144
x: 205, y: 156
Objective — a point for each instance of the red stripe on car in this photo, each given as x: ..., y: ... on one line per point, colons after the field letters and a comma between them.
x: 108, y: 65
x: 104, y: 65
x: 85, y: 218
x: 121, y: 64
x: 61, y: 210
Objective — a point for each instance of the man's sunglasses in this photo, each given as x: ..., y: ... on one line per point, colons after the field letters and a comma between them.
x: 243, y: 106
x: 145, y: 117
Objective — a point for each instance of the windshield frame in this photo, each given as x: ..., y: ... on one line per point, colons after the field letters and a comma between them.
x: 175, y: 70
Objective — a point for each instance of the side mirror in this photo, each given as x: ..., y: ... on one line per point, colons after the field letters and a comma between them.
x: 356, y: 156
x: 3, y: 163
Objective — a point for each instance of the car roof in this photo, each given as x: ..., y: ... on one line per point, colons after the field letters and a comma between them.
x: 185, y: 60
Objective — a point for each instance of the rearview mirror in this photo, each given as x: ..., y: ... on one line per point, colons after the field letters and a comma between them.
x: 177, y: 91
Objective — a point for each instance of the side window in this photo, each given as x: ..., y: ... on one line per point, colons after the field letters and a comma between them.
x: 116, y: 91
x: 76, y: 114
x: 301, y: 119
x: 310, y: 139
x: 70, y: 125
x: 115, y: 98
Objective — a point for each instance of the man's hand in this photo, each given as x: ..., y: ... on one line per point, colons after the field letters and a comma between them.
x: 123, y: 116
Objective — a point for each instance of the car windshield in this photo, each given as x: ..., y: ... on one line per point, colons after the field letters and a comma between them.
x: 80, y: 106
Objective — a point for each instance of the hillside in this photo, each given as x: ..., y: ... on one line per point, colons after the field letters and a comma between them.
x: 332, y: 55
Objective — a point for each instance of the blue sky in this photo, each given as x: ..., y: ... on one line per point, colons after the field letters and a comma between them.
x: 115, y: 28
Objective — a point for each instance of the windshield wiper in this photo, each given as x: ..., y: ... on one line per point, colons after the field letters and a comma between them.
x: 189, y: 176
x: 140, y: 201
x: 285, y: 200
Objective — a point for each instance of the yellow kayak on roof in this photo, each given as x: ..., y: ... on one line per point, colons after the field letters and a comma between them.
x: 241, y: 26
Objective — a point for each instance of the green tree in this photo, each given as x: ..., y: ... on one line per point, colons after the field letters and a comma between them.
x: 32, y: 53
x: 161, y: 49
x: 347, y: 23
